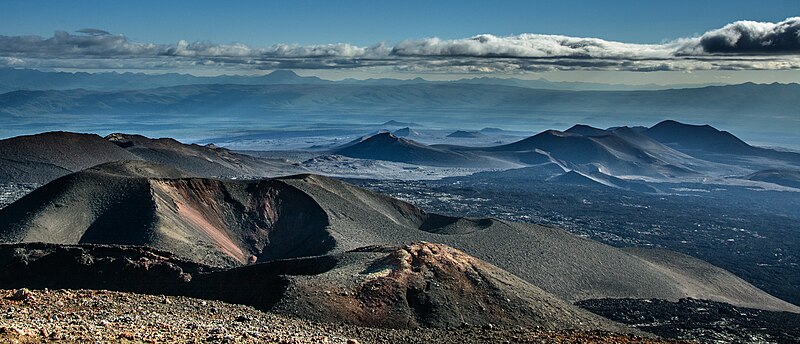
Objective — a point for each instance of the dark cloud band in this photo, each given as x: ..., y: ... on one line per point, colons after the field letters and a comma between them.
x: 747, y: 37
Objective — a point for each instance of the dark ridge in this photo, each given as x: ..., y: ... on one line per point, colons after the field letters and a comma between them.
x: 122, y: 268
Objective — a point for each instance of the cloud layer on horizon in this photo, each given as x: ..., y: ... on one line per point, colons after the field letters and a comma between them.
x: 742, y: 45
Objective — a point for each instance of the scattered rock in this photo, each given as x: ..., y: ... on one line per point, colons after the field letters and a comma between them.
x: 21, y: 295
x: 147, y: 319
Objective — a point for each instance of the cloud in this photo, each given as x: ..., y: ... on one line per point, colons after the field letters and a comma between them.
x: 739, y: 45
x: 530, y: 46
x: 749, y: 37
x: 94, y: 32
x: 66, y: 45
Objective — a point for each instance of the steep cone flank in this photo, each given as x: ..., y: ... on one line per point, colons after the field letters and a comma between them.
x: 216, y: 222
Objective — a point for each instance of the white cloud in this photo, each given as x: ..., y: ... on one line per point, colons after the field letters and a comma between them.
x: 739, y: 45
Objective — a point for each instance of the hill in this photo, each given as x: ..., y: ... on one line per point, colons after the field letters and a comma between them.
x: 709, y: 143
x: 387, y: 146
x: 208, y: 160
x: 466, y: 134
x: 43, y: 157
x: 233, y: 223
x: 226, y: 223
x: 406, y: 132
x: 790, y: 178
x: 418, y: 285
x: 609, y: 154
x: 700, y: 137
x: 192, y: 320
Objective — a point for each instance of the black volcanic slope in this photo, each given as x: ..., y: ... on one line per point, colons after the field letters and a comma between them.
x: 233, y: 223
x: 43, y: 157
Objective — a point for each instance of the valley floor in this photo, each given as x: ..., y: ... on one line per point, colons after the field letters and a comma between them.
x: 68, y: 316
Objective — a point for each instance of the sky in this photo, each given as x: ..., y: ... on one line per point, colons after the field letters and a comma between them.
x: 611, y: 41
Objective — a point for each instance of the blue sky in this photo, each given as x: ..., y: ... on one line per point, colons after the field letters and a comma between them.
x: 368, y: 22
x: 671, y: 41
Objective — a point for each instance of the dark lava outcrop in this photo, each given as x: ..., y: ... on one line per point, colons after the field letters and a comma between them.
x: 700, y: 320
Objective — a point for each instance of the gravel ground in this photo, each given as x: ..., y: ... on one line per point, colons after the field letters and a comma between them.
x: 72, y: 316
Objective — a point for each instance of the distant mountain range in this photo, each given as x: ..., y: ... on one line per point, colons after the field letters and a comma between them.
x: 29, y: 79
x: 619, y: 157
x: 751, y: 107
x: 219, y: 99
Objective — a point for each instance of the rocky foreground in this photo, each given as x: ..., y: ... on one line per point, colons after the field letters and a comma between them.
x: 87, y: 315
